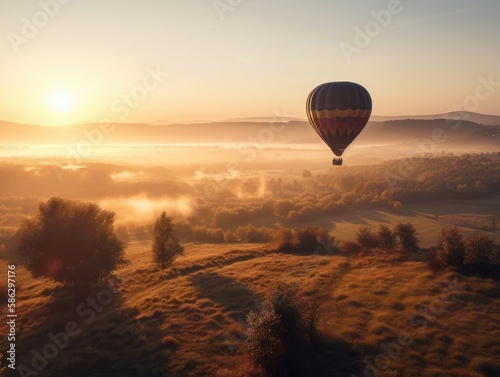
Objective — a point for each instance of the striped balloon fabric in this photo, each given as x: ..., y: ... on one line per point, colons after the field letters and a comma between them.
x: 339, y: 111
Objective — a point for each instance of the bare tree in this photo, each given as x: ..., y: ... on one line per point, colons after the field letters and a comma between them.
x: 71, y: 242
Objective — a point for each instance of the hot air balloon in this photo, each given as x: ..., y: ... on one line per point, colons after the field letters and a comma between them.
x: 338, y: 112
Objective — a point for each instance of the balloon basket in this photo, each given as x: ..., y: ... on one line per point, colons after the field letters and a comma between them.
x: 337, y: 161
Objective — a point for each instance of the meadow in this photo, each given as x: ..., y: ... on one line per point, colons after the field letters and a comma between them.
x: 379, y: 313
x: 385, y: 312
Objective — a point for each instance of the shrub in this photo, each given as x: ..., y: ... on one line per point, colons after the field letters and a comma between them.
x: 434, y: 260
x: 386, y: 238
x: 366, y: 239
x: 450, y: 247
x: 406, y: 234
x: 311, y: 239
x: 308, y: 238
x: 282, y: 240
x: 478, y: 249
x: 477, y: 254
x: 209, y: 235
x: 350, y: 248
x: 251, y: 234
x: 281, y: 333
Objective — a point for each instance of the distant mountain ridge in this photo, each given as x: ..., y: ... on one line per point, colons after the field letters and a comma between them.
x: 247, y: 133
x: 485, y: 119
x: 488, y: 120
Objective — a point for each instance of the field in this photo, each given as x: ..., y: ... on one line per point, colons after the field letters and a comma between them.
x: 429, y: 218
x: 190, y: 319
x: 379, y: 314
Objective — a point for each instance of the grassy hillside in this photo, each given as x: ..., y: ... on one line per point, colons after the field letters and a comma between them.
x: 189, y: 320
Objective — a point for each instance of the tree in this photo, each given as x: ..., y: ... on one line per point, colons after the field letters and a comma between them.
x: 365, y: 238
x: 406, y: 235
x: 386, y: 237
x: 478, y: 249
x: 279, y: 337
x: 166, y: 247
x: 450, y: 247
x: 71, y: 242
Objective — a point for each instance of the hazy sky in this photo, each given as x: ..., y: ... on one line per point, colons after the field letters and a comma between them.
x: 181, y: 60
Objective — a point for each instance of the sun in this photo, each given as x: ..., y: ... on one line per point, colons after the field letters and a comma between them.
x: 62, y: 102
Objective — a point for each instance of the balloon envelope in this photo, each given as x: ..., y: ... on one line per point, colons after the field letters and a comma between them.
x: 339, y: 111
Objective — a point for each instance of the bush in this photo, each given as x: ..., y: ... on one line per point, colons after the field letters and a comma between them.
x: 406, y: 234
x: 209, y: 235
x: 308, y: 238
x: 434, y: 260
x: 311, y: 239
x: 282, y: 240
x: 350, y: 248
x: 450, y: 247
x: 478, y: 249
x: 477, y: 254
x: 251, y: 234
x: 386, y: 238
x: 281, y: 333
x: 366, y: 239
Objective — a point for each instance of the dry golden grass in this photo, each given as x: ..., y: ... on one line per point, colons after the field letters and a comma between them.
x: 189, y: 320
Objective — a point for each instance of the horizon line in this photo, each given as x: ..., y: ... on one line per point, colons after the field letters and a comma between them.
x: 239, y: 119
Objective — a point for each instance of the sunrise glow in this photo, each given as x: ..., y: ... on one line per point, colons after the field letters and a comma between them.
x: 62, y: 102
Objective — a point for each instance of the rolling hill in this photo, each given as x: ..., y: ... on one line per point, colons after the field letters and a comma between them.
x: 458, y: 132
